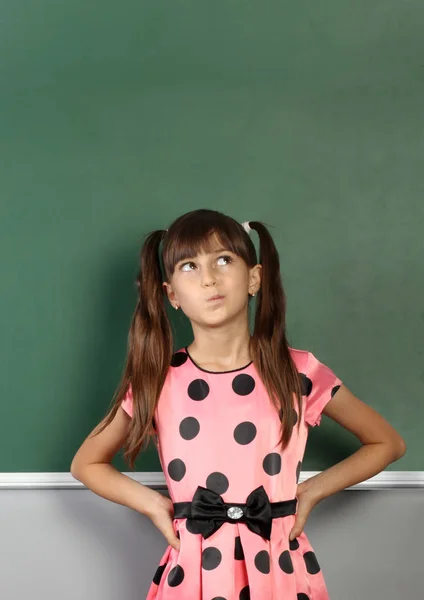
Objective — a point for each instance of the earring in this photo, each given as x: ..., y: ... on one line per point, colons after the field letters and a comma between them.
x: 176, y: 307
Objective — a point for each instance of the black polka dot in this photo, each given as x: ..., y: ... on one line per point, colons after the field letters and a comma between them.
x: 272, y: 463
x: 198, y: 389
x: 262, y: 561
x: 334, y: 390
x: 192, y: 526
x: 243, y: 384
x: 175, y: 576
x: 311, y: 563
x: 176, y: 469
x: 189, y: 428
x: 285, y: 562
x: 306, y: 384
x: 217, y: 482
x: 245, y: 593
x: 178, y: 359
x: 219, y: 598
x: 211, y: 558
x: 302, y: 596
x: 238, y: 549
x: 298, y: 470
x: 245, y: 432
x: 293, y: 544
x: 158, y: 574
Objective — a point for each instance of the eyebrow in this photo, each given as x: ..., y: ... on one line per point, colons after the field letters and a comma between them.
x: 220, y: 250
x: 213, y: 252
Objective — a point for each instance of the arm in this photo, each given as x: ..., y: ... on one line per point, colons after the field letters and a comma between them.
x: 382, y: 445
x: 91, y: 465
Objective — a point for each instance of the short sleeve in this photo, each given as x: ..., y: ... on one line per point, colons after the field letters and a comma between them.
x: 127, y: 405
x: 127, y: 402
x: 320, y: 384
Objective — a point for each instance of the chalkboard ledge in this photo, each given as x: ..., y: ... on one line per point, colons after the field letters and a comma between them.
x: 385, y: 480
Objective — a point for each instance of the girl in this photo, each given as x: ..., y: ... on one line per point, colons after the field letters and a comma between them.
x: 229, y: 415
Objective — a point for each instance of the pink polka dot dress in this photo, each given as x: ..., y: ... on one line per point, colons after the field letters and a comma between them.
x: 217, y: 439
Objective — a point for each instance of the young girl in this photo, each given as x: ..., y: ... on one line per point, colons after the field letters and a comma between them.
x: 229, y: 415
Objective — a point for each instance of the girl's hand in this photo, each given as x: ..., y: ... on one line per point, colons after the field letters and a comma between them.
x: 307, y: 499
x: 161, y: 514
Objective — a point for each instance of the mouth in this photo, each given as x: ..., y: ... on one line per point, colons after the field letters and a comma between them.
x: 216, y: 298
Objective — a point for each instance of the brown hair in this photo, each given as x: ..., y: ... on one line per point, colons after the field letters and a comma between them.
x: 150, y: 343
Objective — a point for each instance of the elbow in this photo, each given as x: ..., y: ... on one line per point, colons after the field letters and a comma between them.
x: 75, y: 469
x: 399, y: 448
x: 78, y: 468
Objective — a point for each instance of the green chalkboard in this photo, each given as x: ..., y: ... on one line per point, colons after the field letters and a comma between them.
x: 116, y: 117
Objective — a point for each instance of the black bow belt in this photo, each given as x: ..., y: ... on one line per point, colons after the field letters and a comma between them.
x: 207, y: 511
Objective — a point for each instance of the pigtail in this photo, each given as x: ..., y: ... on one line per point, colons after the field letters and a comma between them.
x: 150, y: 337
x: 149, y: 352
x: 269, y: 345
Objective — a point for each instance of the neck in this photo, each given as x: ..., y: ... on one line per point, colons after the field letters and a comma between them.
x: 221, y: 353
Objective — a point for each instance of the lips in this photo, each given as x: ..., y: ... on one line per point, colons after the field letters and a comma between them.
x: 217, y: 297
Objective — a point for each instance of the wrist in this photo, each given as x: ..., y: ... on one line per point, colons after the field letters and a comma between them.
x: 314, y: 489
x: 153, y: 501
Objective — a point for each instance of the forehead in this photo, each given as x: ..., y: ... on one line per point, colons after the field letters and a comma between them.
x: 210, y: 245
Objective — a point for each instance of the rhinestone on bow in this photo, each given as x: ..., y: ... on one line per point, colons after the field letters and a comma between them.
x: 235, y: 512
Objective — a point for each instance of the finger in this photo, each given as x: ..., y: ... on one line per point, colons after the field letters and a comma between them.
x: 169, y: 534
x: 297, y: 528
x: 177, y: 542
x: 173, y: 541
x: 294, y: 533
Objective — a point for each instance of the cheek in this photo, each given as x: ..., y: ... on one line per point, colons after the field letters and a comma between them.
x: 190, y: 296
x: 237, y: 284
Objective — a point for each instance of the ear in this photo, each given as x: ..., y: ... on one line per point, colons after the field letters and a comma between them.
x: 167, y: 288
x: 255, y: 277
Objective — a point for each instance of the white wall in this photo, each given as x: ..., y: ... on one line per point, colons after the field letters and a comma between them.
x: 70, y: 544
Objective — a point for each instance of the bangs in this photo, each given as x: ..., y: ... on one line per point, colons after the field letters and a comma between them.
x: 195, y: 244
x: 195, y: 236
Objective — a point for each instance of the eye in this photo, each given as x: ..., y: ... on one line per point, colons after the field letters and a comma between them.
x: 184, y: 264
x: 226, y: 256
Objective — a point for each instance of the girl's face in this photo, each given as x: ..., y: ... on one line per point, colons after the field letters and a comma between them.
x: 196, y: 279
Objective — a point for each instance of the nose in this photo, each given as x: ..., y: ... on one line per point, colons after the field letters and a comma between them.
x: 208, y: 277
